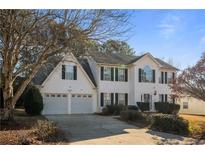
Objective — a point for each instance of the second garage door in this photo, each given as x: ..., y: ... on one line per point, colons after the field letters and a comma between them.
x: 81, y: 103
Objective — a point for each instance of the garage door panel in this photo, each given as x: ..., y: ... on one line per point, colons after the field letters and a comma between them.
x: 81, y: 104
x: 55, y: 105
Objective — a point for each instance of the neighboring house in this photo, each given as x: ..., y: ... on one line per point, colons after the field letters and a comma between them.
x: 190, y: 105
x: 86, y: 85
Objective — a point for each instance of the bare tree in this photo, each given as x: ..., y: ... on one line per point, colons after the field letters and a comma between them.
x: 191, y: 81
x: 29, y: 37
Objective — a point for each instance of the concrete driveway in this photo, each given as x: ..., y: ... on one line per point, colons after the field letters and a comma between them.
x: 95, y: 129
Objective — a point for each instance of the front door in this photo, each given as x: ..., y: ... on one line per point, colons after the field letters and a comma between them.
x: 148, y: 98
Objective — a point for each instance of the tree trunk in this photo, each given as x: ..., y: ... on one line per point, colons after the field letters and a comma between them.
x: 8, y: 105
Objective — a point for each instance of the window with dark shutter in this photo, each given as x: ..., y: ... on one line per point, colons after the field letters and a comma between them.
x: 112, y: 98
x: 116, y: 98
x: 153, y: 76
x: 116, y: 74
x: 140, y: 76
x: 75, y: 72
x: 63, y: 72
x: 112, y: 74
x: 162, y: 77
x: 165, y: 77
x: 165, y: 97
x: 126, y: 74
x: 173, y: 77
x: 101, y: 99
x: 162, y: 98
x: 126, y: 99
x: 102, y: 73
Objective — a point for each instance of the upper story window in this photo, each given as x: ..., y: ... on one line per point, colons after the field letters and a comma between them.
x: 146, y: 74
x: 166, y: 77
x: 69, y: 72
x: 121, y: 74
x: 107, y: 73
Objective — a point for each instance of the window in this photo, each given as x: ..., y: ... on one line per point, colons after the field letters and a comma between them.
x: 107, y: 98
x: 185, y: 105
x: 69, y: 72
x: 161, y: 98
x: 79, y: 95
x: 73, y: 95
x: 64, y: 95
x: 58, y: 95
x: 161, y: 79
x: 84, y: 95
x: 147, y: 98
x: 121, y: 99
x: 107, y: 73
x: 52, y: 95
x: 147, y: 74
x: 121, y: 74
x: 170, y: 78
x: 47, y: 95
x: 89, y: 96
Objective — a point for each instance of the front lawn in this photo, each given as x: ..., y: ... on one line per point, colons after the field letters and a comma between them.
x: 196, y: 125
x: 30, y: 130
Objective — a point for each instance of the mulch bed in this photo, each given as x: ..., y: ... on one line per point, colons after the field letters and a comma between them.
x: 22, y: 131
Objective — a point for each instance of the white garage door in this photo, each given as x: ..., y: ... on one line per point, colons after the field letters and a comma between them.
x: 55, y: 104
x: 81, y: 103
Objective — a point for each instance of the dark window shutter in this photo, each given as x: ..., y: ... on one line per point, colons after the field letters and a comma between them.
x: 101, y: 99
x: 153, y: 76
x: 162, y: 77
x: 126, y: 99
x: 116, y: 74
x: 165, y: 77
x: 173, y: 77
x: 140, y: 76
x: 75, y: 72
x: 162, y: 98
x: 165, y: 97
x: 126, y: 74
x: 112, y: 74
x: 63, y: 71
x: 102, y: 73
x: 112, y: 98
x: 116, y: 98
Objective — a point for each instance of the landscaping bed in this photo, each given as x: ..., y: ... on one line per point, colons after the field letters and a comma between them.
x: 30, y: 130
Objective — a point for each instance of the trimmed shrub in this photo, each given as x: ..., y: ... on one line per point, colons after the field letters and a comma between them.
x: 131, y: 115
x: 113, y: 109
x: 167, y: 108
x: 143, y: 106
x: 170, y: 124
x: 33, y: 101
x: 132, y: 107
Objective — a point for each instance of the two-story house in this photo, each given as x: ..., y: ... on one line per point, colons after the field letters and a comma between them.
x: 86, y: 85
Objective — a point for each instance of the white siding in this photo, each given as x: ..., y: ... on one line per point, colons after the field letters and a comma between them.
x: 55, y: 84
x: 195, y: 106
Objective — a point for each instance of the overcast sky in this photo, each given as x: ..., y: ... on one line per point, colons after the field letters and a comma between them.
x: 169, y: 34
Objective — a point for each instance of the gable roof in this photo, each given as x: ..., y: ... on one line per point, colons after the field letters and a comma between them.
x: 118, y: 58
x: 48, y: 67
x: 102, y: 58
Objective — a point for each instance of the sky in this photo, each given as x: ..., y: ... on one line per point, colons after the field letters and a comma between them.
x: 178, y: 35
